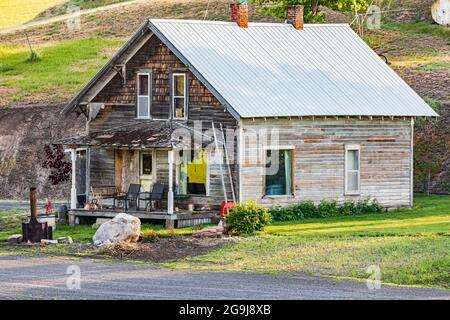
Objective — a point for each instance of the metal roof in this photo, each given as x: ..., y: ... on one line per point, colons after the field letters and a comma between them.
x: 272, y: 69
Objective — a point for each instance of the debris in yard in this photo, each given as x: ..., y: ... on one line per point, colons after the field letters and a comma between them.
x: 164, y: 249
x: 15, y: 239
x: 67, y: 239
x: 123, y: 228
x: 209, y: 232
x: 46, y: 241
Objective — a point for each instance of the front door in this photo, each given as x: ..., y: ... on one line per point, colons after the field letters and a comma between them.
x: 147, y: 167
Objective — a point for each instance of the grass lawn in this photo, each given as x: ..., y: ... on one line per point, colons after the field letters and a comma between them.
x: 411, y: 246
x: 16, y: 12
x: 84, y: 233
x: 63, y: 68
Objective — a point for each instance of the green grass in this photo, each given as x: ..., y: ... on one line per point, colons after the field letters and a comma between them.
x: 62, y: 70
x: 430, y: 216
x: 79, y: 233
x: 422, y: 27
x: 411, y: 246
x: 16, y: 12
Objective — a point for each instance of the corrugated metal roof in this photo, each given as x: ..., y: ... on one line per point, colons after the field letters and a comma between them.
x: 272, y: 69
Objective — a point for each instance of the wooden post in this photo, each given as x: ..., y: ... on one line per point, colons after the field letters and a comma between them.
x: 73, y: 191
x: 33, y: 204
x: 170, y: 192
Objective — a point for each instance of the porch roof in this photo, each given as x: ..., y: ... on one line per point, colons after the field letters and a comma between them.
x: 147, y: 134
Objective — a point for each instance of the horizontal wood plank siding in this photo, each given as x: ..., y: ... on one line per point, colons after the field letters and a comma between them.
x: 319, y: 159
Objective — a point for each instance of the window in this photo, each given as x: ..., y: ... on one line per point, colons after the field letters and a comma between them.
x: 146, y: 164
x: 278, y: 172
x: 352, y: 162
x: 143, y: 95
x: 179, y: 96
x: 193, y: 172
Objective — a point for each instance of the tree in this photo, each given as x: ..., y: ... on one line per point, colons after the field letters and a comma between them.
x: 55, y: 161
x: 277, y: 8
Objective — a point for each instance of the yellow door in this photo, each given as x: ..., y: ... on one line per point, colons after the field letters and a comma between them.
x: 147, y: 169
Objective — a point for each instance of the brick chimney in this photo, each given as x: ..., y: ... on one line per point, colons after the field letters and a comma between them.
x: 239, y: 14
x: 295, y: 16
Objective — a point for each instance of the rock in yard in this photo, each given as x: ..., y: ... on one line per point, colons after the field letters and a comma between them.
x: 15, y: 239
x: 123, y: 228
x: 67, y: 239
x: 209, y: 232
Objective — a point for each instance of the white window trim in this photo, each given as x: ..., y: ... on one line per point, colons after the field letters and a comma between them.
x: 352, y: 147
x: 174, y: 96
x: 138, y: 95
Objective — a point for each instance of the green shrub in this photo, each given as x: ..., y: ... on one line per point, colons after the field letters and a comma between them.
x: 280, y: 213
x: 308, y: 209
x: 326, y: 208
x: 248, y: 217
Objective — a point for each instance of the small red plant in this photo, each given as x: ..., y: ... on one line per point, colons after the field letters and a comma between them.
x: 55, y: 161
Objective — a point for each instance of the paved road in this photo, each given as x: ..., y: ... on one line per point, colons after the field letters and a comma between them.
x: 46, y: 278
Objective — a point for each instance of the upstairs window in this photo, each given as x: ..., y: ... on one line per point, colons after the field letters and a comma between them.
x: 179, y: 101
x: 143, y: 95
x: 352, y: 165
x: 279, y: 173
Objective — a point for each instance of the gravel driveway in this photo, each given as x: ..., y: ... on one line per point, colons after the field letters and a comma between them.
x: 47, y: 278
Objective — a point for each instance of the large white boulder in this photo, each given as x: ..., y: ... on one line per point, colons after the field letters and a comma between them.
x: 123, y: 228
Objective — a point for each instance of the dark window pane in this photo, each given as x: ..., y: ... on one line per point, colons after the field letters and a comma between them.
x: 278, y: 173
x: 143, y: 85
x: 179, y: 107
x: 179, y: 85
x: 146, y: 164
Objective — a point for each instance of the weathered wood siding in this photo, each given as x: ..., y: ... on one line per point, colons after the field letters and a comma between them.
x: 120, y: 110
x: 102, y: 167
x: 385, y: 164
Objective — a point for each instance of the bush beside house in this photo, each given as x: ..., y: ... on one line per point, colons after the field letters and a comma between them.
x: 248, y: 217
x: 325, y: 209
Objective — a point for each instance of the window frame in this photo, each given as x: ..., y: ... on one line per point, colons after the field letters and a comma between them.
x: 208, y: 172
x: 152, y: 154
x: 173, y: 96
x: 149, y: 96
x: 293, y: 156
x: 352, y: 147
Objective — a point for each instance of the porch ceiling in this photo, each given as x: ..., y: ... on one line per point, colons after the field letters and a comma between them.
x: 147, y: 134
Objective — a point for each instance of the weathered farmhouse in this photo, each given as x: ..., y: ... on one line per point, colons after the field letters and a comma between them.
x: 305, y: 112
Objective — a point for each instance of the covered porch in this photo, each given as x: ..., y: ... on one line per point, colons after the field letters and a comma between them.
x: 140, y: 169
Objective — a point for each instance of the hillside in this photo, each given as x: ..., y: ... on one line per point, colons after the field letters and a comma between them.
x: 416, y: 49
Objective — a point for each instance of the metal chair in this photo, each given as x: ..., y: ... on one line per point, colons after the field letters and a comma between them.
x: 156, y: 195
x: 131, y: 196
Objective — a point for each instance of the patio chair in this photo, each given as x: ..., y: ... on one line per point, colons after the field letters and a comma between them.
x: 157, y: 195
x: 131, y: 196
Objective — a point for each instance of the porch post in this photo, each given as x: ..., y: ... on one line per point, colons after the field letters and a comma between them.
x: 73, y: 193
x: 170, y: 192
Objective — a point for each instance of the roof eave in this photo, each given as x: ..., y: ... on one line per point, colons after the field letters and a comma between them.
x: 199, y: 76
x: 107, y: 67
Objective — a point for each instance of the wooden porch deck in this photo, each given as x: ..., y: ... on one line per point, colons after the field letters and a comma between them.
x: 177, y: 220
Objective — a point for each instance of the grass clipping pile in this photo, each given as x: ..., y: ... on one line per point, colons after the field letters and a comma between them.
x: 162, y: 249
